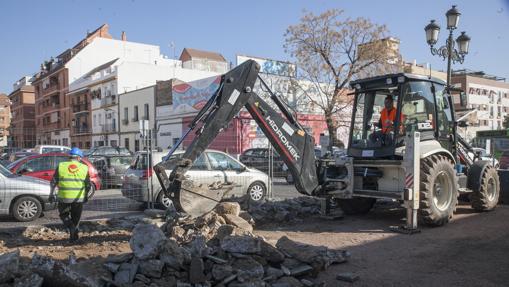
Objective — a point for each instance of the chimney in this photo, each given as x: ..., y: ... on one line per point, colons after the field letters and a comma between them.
x: 124, y: 37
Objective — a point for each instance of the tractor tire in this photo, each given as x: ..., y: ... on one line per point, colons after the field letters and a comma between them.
x: 356, y: 205
x: 438, y: 190
x: 486, y: 197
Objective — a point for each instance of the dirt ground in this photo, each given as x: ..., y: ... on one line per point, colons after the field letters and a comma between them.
x: 472, y: 250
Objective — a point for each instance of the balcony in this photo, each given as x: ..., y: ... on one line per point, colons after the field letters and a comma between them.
x: 109, y: 128
x: 81, y: 130
x: 108, y: 101
x: 50, y: 89
x: 81, y: 107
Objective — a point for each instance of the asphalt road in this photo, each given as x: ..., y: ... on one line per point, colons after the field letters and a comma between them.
x: 110, y: 203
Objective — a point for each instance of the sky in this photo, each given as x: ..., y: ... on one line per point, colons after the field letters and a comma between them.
x: 33, y: 31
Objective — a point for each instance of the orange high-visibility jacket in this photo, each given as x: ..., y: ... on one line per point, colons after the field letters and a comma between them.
x: 387, y: 119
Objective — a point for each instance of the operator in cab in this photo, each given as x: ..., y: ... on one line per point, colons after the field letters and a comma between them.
x: 387, y: 116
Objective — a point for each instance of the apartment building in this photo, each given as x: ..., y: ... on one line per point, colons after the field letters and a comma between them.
x: 487, y: 95
x: 5, y: 119
x: 22, y: 127
x: 53, y: 107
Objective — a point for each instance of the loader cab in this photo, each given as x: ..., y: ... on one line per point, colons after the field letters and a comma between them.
x: 388, y: 107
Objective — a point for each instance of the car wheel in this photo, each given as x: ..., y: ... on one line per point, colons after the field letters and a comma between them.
x: 256, y: 192
x: 163, y: 200
x: 26, y: 208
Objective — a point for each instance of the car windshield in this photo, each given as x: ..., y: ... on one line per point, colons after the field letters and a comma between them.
x: 5, y: 172
x: 14, y: 163
x: 120, y: 160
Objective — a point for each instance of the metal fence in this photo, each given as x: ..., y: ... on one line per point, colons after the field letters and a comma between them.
x: 127, y: 182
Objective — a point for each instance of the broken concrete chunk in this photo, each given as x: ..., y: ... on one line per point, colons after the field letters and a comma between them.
x: 142, y: 278
x: 254, y: 283
x: 241, y: 244
x: 248, y: 269
x: 247, y: 217
x: 320, y: 257
x: 121, y: 258
x: 348, y: 277
x: 199, y: 247
x: 287, y: 281
x: 273, y: 273
x: 196, y: 271
x: 32, y: 280
x: 232, y: 208
x: 270, y: 253
x: 216, y: 259
x: 307, y: 283
x: 173, y: 255
x: 9, y: 264
x: 300, y: 270
x: 126, y: 273
x: 220, y: 271
x: 151, y: 268
x: 59, y: 274
x: 146, y: 241
x: 112, y: 267
x: 238, y: 222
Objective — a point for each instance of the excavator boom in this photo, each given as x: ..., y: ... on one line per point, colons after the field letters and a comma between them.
x: 287, y: 136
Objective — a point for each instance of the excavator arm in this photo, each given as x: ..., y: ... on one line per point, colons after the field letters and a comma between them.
x: 286, y: 135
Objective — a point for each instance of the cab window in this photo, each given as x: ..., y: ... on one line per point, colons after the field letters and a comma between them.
x: 444, y: 112
x: 418, y: 106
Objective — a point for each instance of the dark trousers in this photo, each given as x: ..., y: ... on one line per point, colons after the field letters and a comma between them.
x: 70, y: 213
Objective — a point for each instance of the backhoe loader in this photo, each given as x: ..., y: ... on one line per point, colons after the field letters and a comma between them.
x: 420, y: 160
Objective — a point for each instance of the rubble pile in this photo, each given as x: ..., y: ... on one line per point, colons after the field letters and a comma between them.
x: 170, y: 249
x: 216, y: 249
x: 288, y: 210
x: 41, y: 270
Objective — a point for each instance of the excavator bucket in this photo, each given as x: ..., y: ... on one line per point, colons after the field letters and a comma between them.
x: 198, y: 199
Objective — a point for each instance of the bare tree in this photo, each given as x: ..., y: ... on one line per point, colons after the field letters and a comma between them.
x: 329, y: 52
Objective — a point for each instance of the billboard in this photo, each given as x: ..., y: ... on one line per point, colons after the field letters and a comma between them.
x: 191, y: 97
x: 269, y: 66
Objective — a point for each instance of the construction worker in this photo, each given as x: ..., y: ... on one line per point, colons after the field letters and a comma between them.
x: 73, y: 182
x: 387, y: 116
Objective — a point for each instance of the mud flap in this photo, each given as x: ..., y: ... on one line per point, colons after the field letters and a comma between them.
x: 197, y: 199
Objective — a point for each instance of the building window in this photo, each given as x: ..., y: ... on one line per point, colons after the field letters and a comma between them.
x: 136, y: 145
x: 135, y: 114
x: 126, y: 116
x: 126, y: 143
x: 146, y: 112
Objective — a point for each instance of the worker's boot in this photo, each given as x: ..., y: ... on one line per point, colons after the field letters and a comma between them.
x: 73, y: 234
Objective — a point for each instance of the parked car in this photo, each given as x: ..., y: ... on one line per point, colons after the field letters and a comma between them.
x: 210, y: 167
x: 43, y: 166
x: 19, y: 155
x: 259, y: 158
x: 504, y: 160
x: 112, y: 169
x: 23, y: 197
x: 40, y: 149
x: 107, y: 150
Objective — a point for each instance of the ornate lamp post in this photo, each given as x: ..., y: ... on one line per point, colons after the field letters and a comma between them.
x: 448, y: 51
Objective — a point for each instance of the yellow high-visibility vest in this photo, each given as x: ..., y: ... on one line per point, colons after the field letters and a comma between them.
x: 71, y: 181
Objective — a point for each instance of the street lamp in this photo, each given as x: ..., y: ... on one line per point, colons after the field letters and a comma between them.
x: 448, y: 51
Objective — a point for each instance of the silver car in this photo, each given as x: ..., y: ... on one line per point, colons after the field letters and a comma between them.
x: 23, y: 197
x: 211, y: 166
